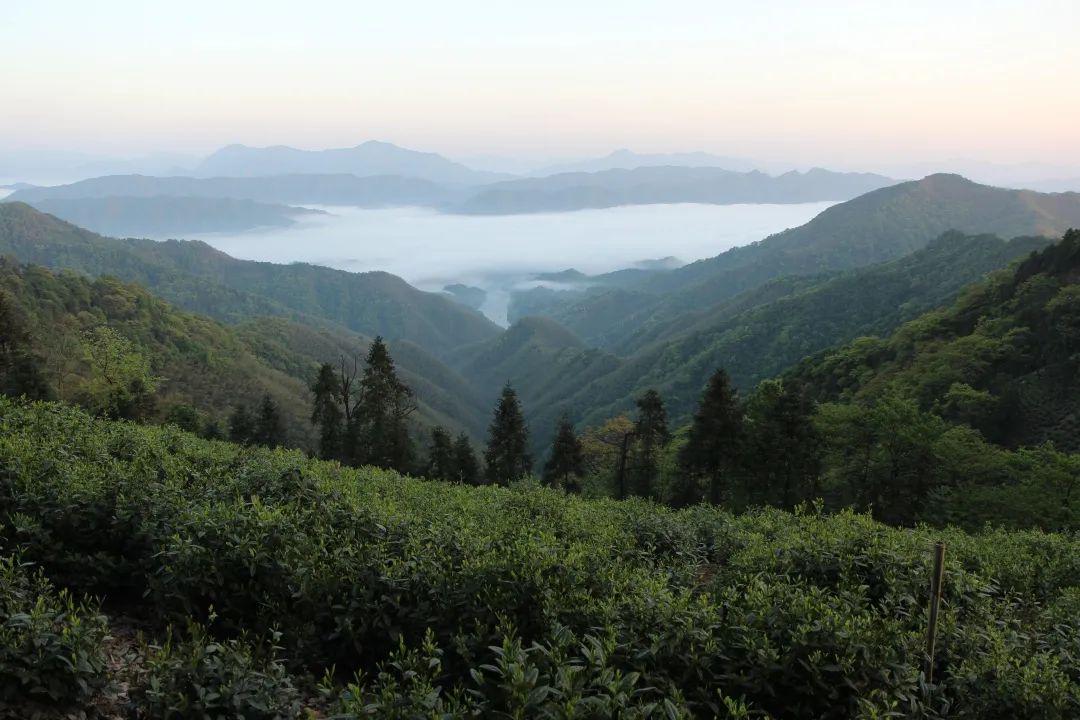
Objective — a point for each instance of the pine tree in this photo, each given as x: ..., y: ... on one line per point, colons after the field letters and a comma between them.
x: 269, y: 428
x: 326, y: 412
x: 711, y: 454
x: 784, y: 453
x: 507, y: 457
x: 651, y: 434
x: 379, y: 433
x: 466, y: 468
x: 441, y: 462
x: 241, y: 426
x: 566, y: 464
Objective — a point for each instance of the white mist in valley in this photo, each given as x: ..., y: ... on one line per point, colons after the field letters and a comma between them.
x: 497, y: 253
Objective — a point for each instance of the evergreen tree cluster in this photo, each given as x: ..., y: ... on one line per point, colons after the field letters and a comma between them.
x: 362, y: 417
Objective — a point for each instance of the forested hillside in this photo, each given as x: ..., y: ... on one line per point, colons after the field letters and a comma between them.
x: 761, y: 333
x: 1004, y: 358
x: 196, y: 277
x: 118, y: 350
x: 879, y: 226
x: 541, y: 358
x: 251, y: 574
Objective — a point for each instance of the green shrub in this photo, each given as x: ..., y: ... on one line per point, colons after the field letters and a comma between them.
x: 767, y: 612
x: 51, y: 645
x: 197, y: 677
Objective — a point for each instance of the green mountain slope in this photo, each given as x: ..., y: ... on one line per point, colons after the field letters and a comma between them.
x: 1005, y: 357
x: 201, y: 279
x: 881, y: 225
x: 545, y: 363
x: 765, y: 331
x: 207, y: 365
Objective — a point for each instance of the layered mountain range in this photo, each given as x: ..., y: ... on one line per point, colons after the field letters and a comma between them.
x: 863, y: 267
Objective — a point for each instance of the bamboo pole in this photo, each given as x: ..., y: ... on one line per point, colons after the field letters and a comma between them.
x: 935, y: 601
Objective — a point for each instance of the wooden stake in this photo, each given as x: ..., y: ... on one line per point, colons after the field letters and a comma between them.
x: 935, y: 600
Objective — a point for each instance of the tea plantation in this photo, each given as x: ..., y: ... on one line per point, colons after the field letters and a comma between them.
x: 148, y: 573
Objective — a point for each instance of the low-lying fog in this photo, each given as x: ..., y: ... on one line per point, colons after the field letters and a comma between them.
x: 497, y: 253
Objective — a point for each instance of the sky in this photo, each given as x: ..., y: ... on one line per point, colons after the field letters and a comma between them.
x: 805, y: 82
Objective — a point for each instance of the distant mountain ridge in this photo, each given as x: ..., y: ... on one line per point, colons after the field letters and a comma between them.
x: 364, y: 160
x: 624, y: 159
x: 573, y: 191
x: 165, y: 216
x: 374, y: 191
x: 664, y: 184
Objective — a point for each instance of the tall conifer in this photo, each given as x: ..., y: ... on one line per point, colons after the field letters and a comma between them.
x: 711, y: 455
x: 440, y: 462
x: 651, y: 435
x: 566, y: 464
x: 326, y: 412
x: 466, y: 467
x: 379, y: 433
x: 507, y: 456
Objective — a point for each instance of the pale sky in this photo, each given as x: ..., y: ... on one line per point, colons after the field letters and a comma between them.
x: 798, y: 81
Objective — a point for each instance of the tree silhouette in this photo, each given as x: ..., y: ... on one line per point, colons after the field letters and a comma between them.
x: 378, y: 430
x: 440, y: 463
x: 20, y: 370
x: 466, y: 467
x: 566, y: 464
x: 326, y: 412
x: 651, y: 434
x: 507, y: 457
x: 784, y: 450
x: 711, y: 454
x: 269, y: 428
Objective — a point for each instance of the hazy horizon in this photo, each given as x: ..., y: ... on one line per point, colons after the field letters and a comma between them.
x: 845, y: 85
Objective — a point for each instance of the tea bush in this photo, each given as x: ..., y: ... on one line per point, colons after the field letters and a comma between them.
x: 433, y: 599
x: 195, y: 677
x: 51, y: 645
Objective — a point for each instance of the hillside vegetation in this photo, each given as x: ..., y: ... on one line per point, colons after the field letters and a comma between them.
x: 433, y: 599
x: 196, y: 277
x: 876, y: 227
x: 1004, y: 358
x: 754, y: 336
x: 194, y: 361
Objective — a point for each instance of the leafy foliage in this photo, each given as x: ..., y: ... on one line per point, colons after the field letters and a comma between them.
x: 51, y: 645
x: 1002, y: 359
x: 525, y: 600
x: 194, y: 276
x: 196, y: 677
